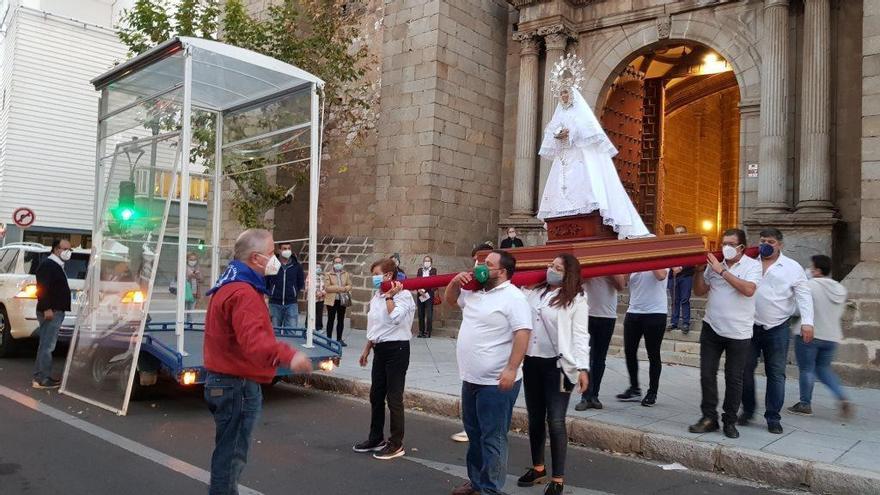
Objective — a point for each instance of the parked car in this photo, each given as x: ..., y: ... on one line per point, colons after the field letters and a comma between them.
x: 18, y: 292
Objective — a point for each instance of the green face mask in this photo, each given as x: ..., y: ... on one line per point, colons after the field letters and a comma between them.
x: 481, y: 273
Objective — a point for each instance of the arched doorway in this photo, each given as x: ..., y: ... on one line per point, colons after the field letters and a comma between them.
x: 672, y: 109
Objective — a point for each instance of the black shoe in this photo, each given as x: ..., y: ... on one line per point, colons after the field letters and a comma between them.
x: 801, y: 408
x: 774, y: 428
x: 672, y: 327
x: 421, y: 336
x: 686, y: 329
x: 370, y: 446
x: 650, y: 399
x: 730, y: 430
x: 389, y: 452
x: 744, y: 419
x: 588, y: 403
x: 704, y: 425
x: 46, y: 383
x: 342, y: 343
x: 532, y: 478
x: 595, y: 404
x: 631, y: 395
x: 554, y: 488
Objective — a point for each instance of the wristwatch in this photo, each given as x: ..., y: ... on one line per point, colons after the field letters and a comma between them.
x: 389, y: 298
x: 721, y: 273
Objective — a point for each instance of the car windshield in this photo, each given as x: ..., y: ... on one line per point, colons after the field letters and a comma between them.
x: 75, y: 268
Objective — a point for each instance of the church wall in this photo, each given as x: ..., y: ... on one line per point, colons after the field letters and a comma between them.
x: 846, y: 113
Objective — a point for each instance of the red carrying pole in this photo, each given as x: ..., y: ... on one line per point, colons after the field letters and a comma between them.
x: 534, y: 277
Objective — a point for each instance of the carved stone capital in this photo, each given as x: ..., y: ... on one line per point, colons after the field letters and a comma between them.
x: 775, y: 3
x: 529, y: 44
x: 664, y: 25
x: 555, y: 37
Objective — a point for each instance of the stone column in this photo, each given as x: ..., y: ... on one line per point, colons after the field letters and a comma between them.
x: 526, y: 126
x: 555, y: 42
x: 815, y: 156
x: 774, y: 125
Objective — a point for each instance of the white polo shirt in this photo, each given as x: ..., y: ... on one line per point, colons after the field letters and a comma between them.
x: 728, y: 312
x: 383, y: 326
x: 602, y: 296
x: 647, y: 295
x: 489, y: 320
x: 782, y: 292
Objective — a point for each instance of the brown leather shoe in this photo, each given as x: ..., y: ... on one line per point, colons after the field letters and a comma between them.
x: 465, y: 489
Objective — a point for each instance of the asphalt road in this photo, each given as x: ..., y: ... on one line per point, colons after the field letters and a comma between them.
x: 50, y: 444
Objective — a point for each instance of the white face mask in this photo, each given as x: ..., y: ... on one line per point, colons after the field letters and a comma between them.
x: 809, y: 273
x: 427, y: 264
x: 287, y: 253
x: 65, y: 255
x: 511, y: 234
x: 272, y: 265
x: 192, y: 263
x: 729, y: 252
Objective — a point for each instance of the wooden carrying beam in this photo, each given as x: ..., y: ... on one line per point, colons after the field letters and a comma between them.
x: 598, y: 259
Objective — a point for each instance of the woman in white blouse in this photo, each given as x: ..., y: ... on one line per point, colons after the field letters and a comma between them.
x: 389, y: 330
x: 558, y: 358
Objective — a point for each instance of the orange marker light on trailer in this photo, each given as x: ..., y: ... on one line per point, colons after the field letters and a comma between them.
x: 189, y: 377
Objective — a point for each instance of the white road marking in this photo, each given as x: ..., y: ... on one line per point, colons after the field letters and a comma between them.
x: 120, y: 441
x: 510, y: 487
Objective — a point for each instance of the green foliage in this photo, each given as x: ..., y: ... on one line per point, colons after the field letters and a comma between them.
x: 316, y: 35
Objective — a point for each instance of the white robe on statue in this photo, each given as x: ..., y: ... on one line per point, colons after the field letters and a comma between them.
x: 583, y: 178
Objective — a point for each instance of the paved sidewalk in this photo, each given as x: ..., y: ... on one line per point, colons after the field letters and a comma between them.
x: 822, y: 438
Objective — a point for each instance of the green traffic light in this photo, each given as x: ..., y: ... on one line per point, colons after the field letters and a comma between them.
x: 126, y: 214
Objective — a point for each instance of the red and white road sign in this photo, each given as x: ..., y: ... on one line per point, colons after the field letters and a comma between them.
x: 24, y: 217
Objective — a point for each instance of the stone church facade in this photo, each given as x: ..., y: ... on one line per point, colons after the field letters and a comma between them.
x: 748, y: 113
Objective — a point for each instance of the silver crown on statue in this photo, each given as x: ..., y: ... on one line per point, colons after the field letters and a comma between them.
x: 568, y: 73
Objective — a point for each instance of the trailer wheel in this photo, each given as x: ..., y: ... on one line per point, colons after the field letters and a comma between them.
x: 7, y: 345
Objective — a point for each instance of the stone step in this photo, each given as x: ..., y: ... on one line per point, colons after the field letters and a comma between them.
x: 677, y: 358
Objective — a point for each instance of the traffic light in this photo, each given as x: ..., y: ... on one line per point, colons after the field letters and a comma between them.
x: 125, y: 210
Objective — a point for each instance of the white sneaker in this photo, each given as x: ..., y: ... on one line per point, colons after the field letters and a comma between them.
x: 460, y: 436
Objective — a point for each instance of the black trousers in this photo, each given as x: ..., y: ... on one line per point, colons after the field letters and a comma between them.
x: 545, y: 403
x: 319, y: 315
x: 736, y: 351
x: 335, y: 313
x: 652, y: 327
x: 426, y: 316
x: 390, y: 362
x: 601, y: 330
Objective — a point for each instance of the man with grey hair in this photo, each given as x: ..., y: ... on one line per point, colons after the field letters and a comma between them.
x: 241, y: 352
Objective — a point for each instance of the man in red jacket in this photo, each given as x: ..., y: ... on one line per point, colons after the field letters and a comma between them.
x: 240, y: 353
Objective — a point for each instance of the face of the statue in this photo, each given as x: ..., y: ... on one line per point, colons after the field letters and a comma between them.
x: 565, y: 97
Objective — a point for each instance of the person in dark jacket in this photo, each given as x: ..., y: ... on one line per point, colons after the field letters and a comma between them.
x: 511, y: 241
x: 284, y: 288
x: 426, y: 299
x: 680, y: 283
x: 53, y: 303
x: 241, y: 352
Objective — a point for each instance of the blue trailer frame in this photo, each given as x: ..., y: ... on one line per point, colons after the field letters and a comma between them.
x: 159, y: 342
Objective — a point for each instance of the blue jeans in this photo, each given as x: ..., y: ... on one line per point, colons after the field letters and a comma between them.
x: 773, y: 344
x: 48, y: 332
x: 486, y: 413
x: 284, y: 315
x: 814, y: 361
x: 680, y: 293
x: 235, y: 403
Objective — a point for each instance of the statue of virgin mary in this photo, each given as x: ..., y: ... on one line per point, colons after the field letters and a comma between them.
x: 583, y: 178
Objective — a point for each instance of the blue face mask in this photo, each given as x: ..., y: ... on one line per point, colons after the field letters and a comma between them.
x: 766, y: 250
x: 377, y: 281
